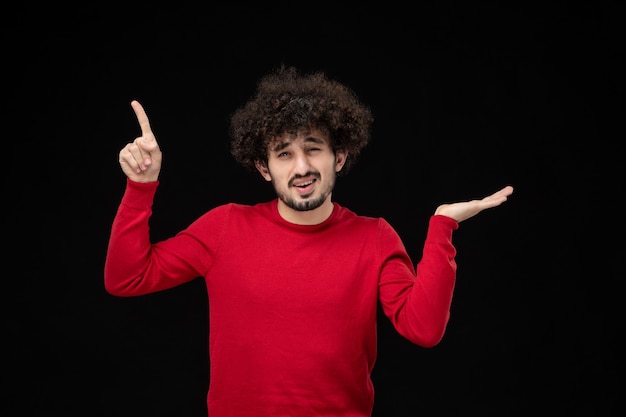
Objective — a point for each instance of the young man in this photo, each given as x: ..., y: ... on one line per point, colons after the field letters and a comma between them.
x: 293, y: 283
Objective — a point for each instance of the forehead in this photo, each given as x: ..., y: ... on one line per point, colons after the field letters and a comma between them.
x: 314, y: 136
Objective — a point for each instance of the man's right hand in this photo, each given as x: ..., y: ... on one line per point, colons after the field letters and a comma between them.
x: 141, y: 159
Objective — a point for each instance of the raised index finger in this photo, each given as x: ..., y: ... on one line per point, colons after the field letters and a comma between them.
x: 142, y: 118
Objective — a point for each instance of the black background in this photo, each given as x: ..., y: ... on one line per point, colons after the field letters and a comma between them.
x: 466, y: 97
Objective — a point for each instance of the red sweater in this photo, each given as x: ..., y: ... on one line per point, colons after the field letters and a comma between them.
x: 292, y: 308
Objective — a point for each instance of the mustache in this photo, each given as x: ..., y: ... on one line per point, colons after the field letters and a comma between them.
x: 316, y: 175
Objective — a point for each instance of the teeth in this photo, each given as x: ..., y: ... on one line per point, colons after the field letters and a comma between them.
x: 304, y: 184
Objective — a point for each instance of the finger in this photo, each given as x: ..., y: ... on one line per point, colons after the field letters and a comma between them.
x: 131, y: 156
x: 142, y: 118
x: 498, y: 197
x: 506, y: 191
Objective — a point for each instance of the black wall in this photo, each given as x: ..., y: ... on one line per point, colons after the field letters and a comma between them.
x: 467, y: 98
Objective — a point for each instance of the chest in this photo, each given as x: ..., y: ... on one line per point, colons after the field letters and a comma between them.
x: 295, y: 269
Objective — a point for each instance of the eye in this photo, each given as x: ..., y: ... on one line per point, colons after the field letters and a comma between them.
x: 283, y: 154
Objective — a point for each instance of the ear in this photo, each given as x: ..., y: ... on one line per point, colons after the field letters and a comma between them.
x: 261, y: 166
x: 340, y: 159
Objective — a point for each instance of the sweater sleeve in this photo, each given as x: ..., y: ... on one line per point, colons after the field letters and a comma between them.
x: 133, y: 265
x: 417, y: 301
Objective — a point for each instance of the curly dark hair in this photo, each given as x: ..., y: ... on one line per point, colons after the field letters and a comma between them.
x: 287, y: 101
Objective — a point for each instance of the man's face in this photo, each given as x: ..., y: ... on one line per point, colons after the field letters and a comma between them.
x: 302, y: 169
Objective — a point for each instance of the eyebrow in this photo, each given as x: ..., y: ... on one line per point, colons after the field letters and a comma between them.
x: 282, y: 145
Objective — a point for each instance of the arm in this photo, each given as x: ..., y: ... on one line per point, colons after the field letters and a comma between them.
x: 417, y: 301
x: 133, y: 265
x: 419, y: 308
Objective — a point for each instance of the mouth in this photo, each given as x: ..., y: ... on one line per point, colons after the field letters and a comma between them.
x: 305, y: 188
x: 304, y: 184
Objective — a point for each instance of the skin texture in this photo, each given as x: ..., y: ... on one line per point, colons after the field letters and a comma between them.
x: 300, y: 160
x: 303, y: 171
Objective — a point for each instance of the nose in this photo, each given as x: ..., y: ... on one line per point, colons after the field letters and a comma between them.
x: 302, y: 164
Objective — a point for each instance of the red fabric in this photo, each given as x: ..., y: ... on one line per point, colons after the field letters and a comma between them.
x: 292, y: 308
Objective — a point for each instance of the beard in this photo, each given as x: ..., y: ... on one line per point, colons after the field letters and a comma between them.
x: 304, y: 203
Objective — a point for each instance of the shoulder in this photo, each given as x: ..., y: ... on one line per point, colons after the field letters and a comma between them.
x: 230, y: 210
x: 345, y: 215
